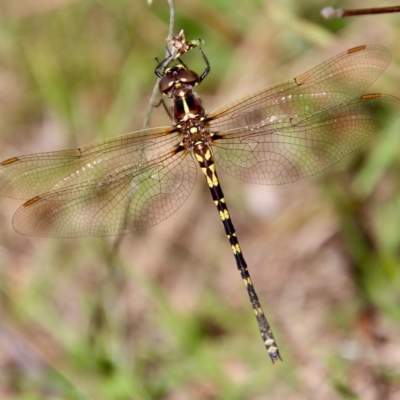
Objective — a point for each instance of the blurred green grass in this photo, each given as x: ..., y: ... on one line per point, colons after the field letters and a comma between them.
x: 167, y: 317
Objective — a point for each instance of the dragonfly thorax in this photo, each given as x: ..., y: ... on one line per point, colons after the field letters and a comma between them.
x: 189, y: 117
x: 187, y: 106
x: 178, y: 84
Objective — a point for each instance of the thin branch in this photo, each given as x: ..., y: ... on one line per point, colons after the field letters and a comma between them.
x: 331, y: 13
x: 168, y: 53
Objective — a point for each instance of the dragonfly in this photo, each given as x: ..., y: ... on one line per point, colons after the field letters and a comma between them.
x: 276, y: 135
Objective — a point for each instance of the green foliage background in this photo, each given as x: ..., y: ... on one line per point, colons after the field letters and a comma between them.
x: 166, y: 316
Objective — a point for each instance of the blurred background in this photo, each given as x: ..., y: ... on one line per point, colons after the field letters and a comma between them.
x: 164, y: 314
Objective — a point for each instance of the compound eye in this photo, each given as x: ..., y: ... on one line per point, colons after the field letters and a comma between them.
x: 188, y: 77
x: 166, y: 83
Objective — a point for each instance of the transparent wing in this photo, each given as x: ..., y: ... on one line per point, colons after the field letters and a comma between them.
x: 335, y: 81
x: 273, y: 112
x: 126, y: 183
x: 27, y: 176
x: 304, y: 145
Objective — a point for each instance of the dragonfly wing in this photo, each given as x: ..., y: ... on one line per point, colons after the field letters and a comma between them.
x: 335, y: 81
x: 281, y: 152
x: 27, y: 176
x: 111, y: 187
x: 111, y: 205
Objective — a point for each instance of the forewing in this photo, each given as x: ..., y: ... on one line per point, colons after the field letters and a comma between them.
x: 304, y: 146
x: 335, y: 81
x: 27, y: 176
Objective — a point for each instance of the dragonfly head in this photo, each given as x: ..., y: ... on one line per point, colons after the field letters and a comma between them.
x: 177, y: 78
